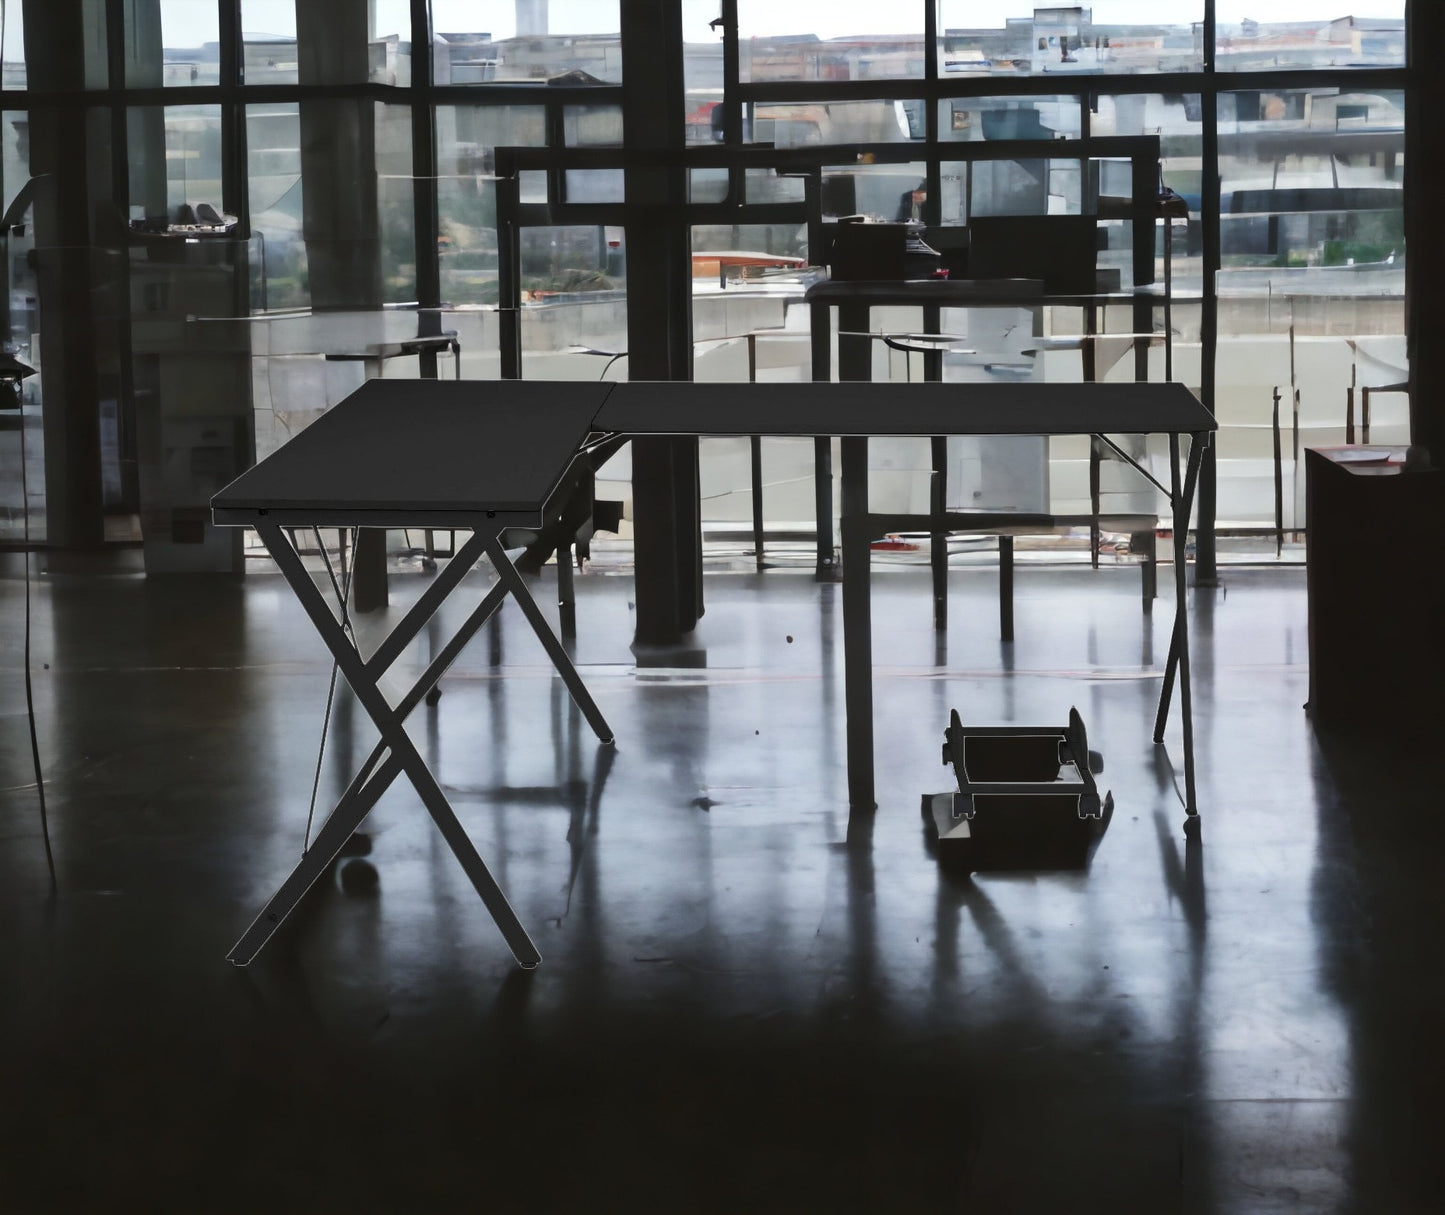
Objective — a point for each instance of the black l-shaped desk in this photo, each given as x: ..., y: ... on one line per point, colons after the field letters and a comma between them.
x: 487, y: 456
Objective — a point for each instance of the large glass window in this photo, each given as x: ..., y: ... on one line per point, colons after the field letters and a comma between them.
x: 1309, y: 281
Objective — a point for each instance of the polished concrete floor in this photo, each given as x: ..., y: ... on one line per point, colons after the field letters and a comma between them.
x: 750, y: 1000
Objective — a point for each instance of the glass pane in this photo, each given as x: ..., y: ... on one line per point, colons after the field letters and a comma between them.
x: 799, y: 124
x: 707, y: 185
x: 1025, y: 187
x: 729, y: 256
x: 594, y: 185
x: 574, y: 303
x: 273, y: 184
x: 175, y: 163
x: 1107, y: 36
x: 12, y: 46
x: 969, y: 119
x: 1308, y: 34
x: 268, y: 41
x: 396, y: 203
x: 886, y: 192
x: 702, y: 70
x: 390, y: 45
x: 183, y: 49
x: 1311, y: 285
x: 271, y: 54
x: 567, y: 261
x: 768, y: 186
x: 566, y: 41
x: 1178, y: 119
x: 592, y: 126
x: 467, y: 135
x: 832, y: 42
x: 466, y: 191
x: 467, y: 239
x: 1311, y: 197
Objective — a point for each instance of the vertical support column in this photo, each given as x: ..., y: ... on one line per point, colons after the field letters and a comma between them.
x: 424, y: 186
x: 69, y: 150
x: 338, y: 159
x: 855, y: 362
x: 667, y: 521
x: 857, y: 624
x: 1424, y: 149
x: 340, y: 218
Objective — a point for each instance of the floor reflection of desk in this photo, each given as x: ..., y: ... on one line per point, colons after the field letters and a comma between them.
x: 488, y: 455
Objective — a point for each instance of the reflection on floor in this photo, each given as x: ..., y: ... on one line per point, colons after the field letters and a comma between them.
x: 749, y: 1000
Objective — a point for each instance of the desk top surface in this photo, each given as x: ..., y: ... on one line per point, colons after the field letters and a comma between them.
x: 403, y: 446
x: 473, y: 445
x: 865, y: 408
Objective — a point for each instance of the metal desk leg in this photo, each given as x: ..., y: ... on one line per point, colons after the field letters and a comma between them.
x: 353, y: 807
x: 507, y: 572
x: 1197, y: 443
x: 826, y: 569
x: 857, y: 625
x: 360, y: 797
x: 566, y: 592
x: 755, y: 461
x: 938, y: 540
x: 1179, y: 644
x: 390, y: 723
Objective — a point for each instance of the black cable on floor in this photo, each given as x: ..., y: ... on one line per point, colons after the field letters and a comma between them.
x: 29, y: 691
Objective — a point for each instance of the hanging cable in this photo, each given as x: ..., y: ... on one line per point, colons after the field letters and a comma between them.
x: 29, y: 691
x: 342, y: 589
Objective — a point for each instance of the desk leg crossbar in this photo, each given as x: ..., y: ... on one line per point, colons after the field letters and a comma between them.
x: 401, y: 755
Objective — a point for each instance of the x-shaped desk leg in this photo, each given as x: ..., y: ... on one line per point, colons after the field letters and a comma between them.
x: 1183, y: 501
x: 401, y: 755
